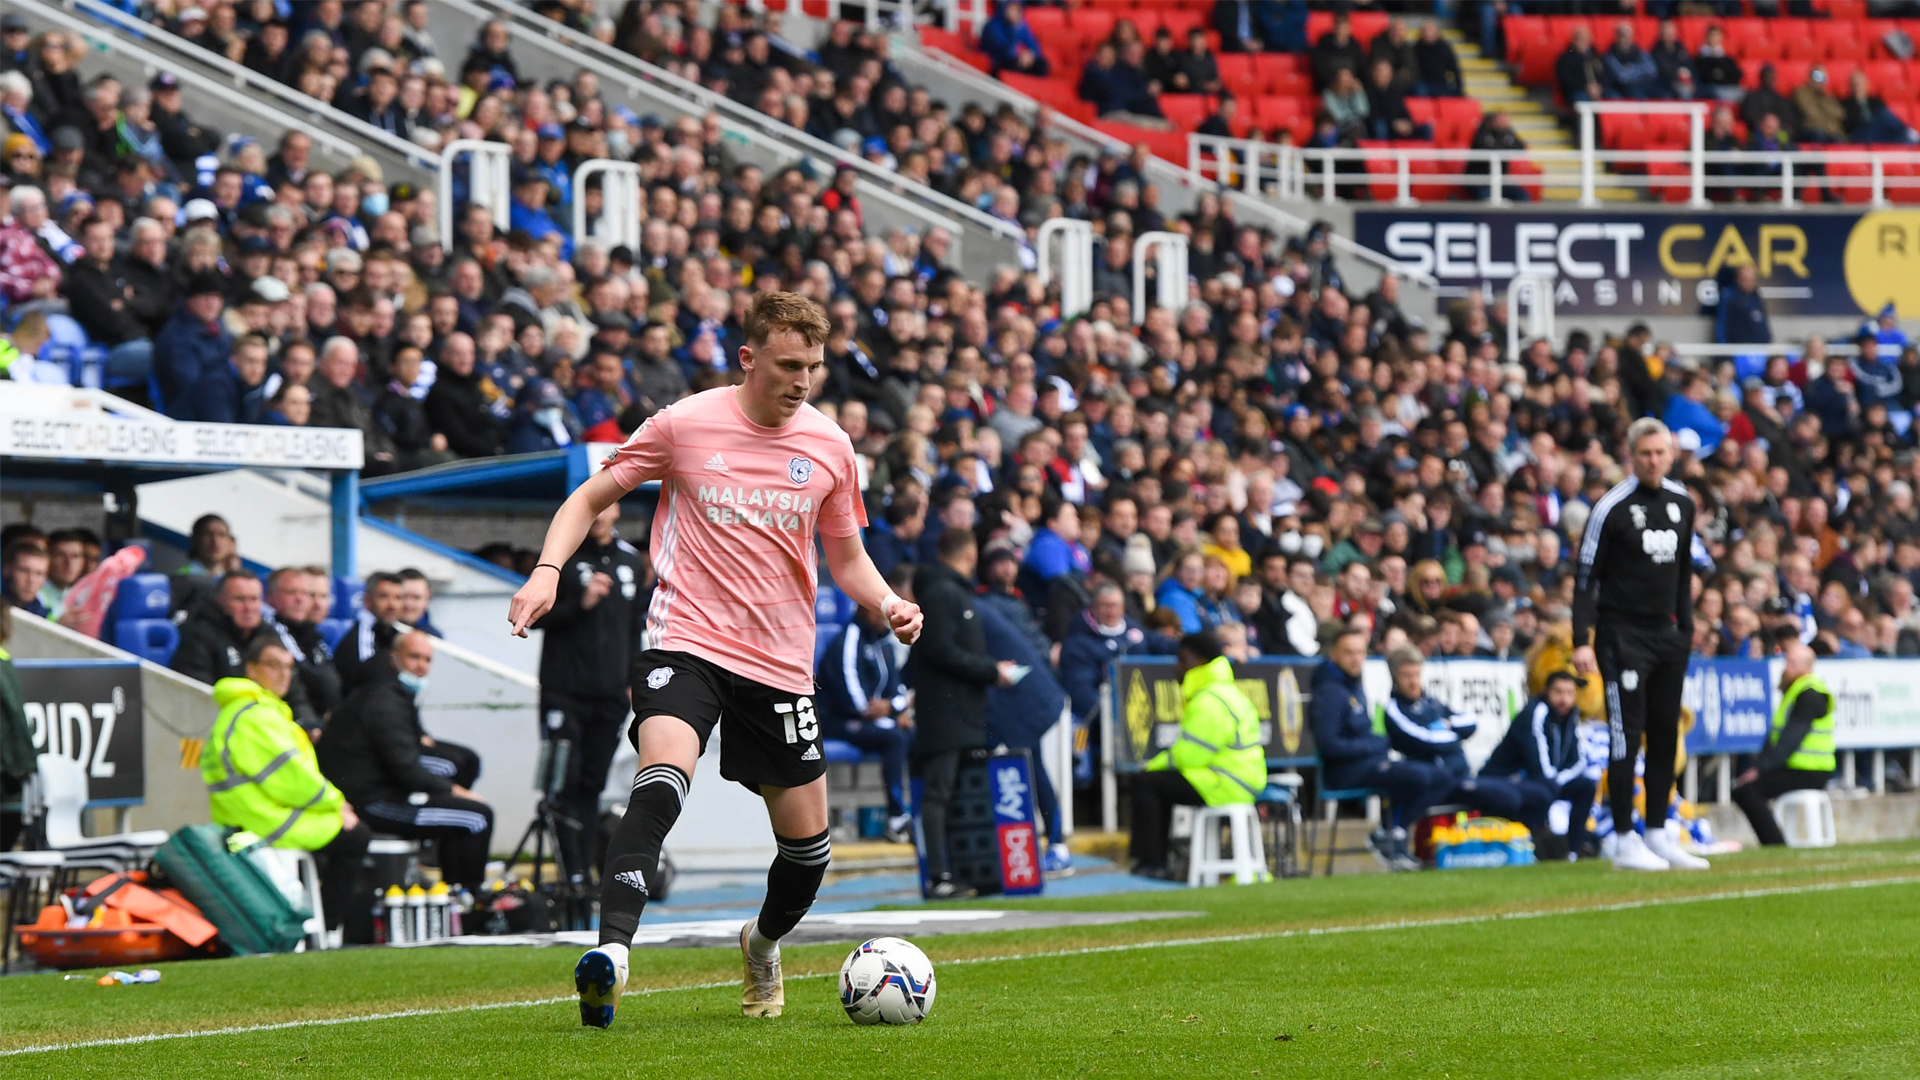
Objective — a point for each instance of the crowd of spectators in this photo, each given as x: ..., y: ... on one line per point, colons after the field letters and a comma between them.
x: 1287, y: 454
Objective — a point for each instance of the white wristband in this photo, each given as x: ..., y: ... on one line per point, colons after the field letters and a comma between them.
x: 886, y: 605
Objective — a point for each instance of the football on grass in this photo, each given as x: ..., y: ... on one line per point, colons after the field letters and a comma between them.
x: 887, y: 981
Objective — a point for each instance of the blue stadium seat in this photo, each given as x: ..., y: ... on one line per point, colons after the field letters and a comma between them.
x: 149, y: 639
x: 839, y: 752
x: 823, y: 636
x: 830, y: 605
x: 143, y: 596
x: 332, y: 630
x: 347, y: 593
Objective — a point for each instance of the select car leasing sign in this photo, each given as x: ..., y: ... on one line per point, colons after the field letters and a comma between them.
x: 90, y: 436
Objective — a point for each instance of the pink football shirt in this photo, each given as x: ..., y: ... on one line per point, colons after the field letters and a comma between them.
x: 733, y: 537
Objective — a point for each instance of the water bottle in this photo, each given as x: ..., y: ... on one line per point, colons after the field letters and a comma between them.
x: 457, y: 912
x: 396, y: 904
x: 416, y: 913
x: 437, y: 906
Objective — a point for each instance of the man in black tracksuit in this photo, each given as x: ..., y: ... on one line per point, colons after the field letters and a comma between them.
x: 372, y: 633
x: 950, y: 671
x: 592, y: 636
x: 373, y: 752
x: 1633, y: 623
x: 1540, y: 755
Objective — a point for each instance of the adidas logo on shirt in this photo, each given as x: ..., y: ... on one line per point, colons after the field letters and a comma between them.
x: 632, y: 879
x: 716, y: 463
x: 812, y: 754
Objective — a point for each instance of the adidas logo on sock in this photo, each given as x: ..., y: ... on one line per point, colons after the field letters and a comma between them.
x: 632, y: 879
x: 716, y: 463
x: 812, y: 754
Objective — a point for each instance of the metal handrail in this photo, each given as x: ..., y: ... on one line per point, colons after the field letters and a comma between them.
x: 197, y: 81
x: 1294, y: 170
x: 677, y: 91
x: 245, y: 78
x: 1159, y: 170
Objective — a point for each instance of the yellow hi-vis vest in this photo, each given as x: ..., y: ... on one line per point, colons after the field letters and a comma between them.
x: 1815, y: 753
x: 261, y: 773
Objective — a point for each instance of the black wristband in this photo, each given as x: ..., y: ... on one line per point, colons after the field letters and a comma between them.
x: 548, y: 565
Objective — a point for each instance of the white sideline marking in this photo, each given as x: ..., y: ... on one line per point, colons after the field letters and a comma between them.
x: 1168, y: 943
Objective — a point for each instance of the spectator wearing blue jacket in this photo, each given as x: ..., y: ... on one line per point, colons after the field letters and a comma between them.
x: 863, y: 693
x: 1020, y: 715
x: 1102, y: 634
x: 529, y: 211
x: 1831, y: 397
x: 1885, y: 329
x: 1688, y: 411
x: 1541, y: 756
x: 1056, y: 547
x: 1631, y: 72
x: 1354, y: 750
x: 1180, y: 591
x: 1118, y: 85
x: 233, y: 392
x: 1251, y: 26
x: 1010, y: 44
x: 1876, y: 381
x: 891, y: 539
x: 1741, y: 317
x: 193, y: 342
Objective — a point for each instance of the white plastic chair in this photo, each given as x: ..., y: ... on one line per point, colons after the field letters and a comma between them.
x: 1806, y: 818
x: 1248, y: 861
x: 297, y: 876
x: 62, y: 791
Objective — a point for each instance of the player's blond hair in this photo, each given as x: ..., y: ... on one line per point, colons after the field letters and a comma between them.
x: 775, y: 311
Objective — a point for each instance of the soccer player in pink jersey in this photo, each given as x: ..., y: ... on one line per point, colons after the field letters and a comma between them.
x: 748, y: 474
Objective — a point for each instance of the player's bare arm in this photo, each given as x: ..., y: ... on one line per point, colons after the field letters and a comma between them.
x: 855, y: 574
x: 569, y: 528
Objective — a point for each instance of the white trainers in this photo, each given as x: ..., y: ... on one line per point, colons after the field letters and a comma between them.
x: 1631, y: 853
x: 599, y: 977
x: 1662, y: 844
x: 763, y: 991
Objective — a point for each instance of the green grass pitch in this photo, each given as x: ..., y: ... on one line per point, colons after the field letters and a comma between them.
x: 1787, y: 964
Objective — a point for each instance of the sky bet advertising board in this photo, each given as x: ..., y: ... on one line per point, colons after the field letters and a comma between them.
x: 1647, y: 263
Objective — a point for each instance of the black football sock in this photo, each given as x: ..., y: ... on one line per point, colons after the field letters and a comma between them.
x: 792, y: 882
x: 633, y: 853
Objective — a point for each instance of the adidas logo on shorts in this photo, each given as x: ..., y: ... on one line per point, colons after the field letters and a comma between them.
x: 632, y: 879
x: 812, y: 754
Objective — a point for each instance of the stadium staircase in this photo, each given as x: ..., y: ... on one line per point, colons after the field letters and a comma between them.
x: 1492, y: 82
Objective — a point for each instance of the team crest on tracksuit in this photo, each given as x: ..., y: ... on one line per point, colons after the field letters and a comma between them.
x: 800, y: 470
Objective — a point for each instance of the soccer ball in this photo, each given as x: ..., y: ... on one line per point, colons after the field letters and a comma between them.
x: 887, y: 981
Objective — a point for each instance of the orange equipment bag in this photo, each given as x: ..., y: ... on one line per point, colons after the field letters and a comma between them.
x: 127, y: 923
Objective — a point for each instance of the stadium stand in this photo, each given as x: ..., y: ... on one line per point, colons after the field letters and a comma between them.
x: 1295, y: 410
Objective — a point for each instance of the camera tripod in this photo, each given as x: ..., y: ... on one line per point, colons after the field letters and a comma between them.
x: 572, y: 900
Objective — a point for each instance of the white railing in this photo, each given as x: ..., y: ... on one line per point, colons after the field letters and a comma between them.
x: 619, y: 221
x: 1170, y: 281
x: 898, y: 14
x: 1291, y: 172
x: 489, y: 183
x: 1076, y: 261
x: 247, y: 83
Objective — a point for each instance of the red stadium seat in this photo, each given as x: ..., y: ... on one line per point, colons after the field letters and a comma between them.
x: 1678, y: 191
x: 1887, y: 78
x: 1180, y: 22
x: 1519, y: 30
x: 1798, y: 45
x: 1747, y: 37
x: 1461, y: 117
x: 1186, y: 111
x: 1146, y: 19
x: 1290, y: 83
x: 1790, y: 74
x: 1536, y: 63
x: 1423, y: 111
x: 1839, y: 74
x: 1527, y: 168
x: 1092, y: 25
x: 1049, y: 24
x: 1270, y: 110
x: 1366, y: 25
x: 1241, y: 76
x: 1693, y: 30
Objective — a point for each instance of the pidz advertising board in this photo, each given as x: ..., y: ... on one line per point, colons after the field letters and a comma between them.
x: 1649, y: 262
x: 90, y: 711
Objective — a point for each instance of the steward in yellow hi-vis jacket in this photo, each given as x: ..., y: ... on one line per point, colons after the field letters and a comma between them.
x: 1218, y: 759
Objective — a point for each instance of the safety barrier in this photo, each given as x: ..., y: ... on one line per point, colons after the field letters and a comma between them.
x: 619, y: 221
x: 489, y: 183
x: 1877, y: 712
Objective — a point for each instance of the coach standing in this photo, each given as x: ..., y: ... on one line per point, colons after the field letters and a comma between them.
x: 1633, y: 623
x: 592, y: 636
x: 950, y: 670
